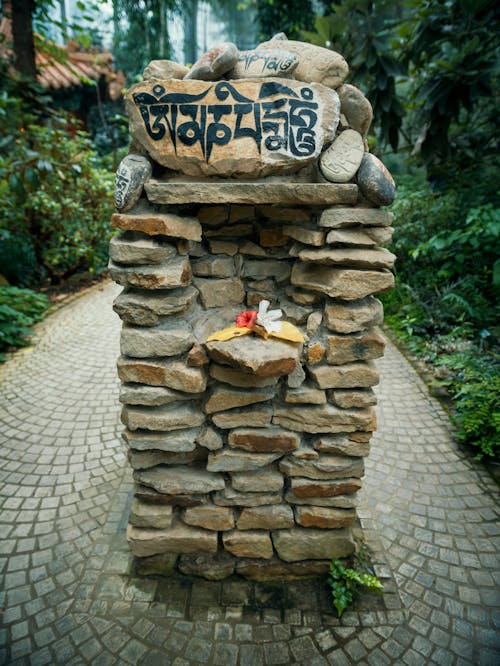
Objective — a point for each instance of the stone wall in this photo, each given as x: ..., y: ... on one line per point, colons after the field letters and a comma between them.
x: 247, y: 453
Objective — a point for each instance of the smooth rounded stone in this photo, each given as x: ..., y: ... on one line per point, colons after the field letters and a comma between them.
x: 263, y: 358
x: 270, y: 517
x: 376, y: 257
x: 366, y: 236
x: 303, y: 488
x: 312, y: 544
x: 264, y: 63
x: 133, y: 171
x: 261, y: 480
x: 358, y: 374
x: 214, y: 266
x: 171, y: 417
x: 146, y: 459
x: 315, y: 62
x: 148, y: 221
x: 210, y: 517
x: 305, y: 394
x: 132, y: 248
x: 324, y: 467
x: 348, y: 398
x: 218, y: 146
x: 248, y: 543
x: 163, y: 70
x: 356, y: 108
x: 341, y: 445
x: 150, y: 309
x: 324, y: 517
x: 178, y: 441
x: 354, y: 316
x: 340, y: 161
x: 167, y: 339
x: 145, y: 514
x: 257, y: 417
x: 231, y: 497
x: 209, y: 439
x: 314, y: 322
x: 264, y: 440
x: 263, y: 192
x: 344, y: 283
x: 219, y: 292
x: 210, y: 567
x: 306, y: 236
x: 357, y: 347
x: 178, y: 538
x: 228, y: 375
x: 259, y: 270
x: 172, y: 374
x: 375, y: 181
x: 214, y: 63
x: 151, y: 396
x: 277, y: 570
x: 171, y: 274
x: 226, y: 460
x: 339, y: 217
x: 323, y: 418
x: 180, y: 480
x: 223, y: 398
x: 156, y: 565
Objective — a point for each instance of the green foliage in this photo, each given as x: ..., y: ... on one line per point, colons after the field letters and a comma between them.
x: 289, y: 16
x: 451, y: 49
x: 364, y: 32
x: 346, y: 584
x: 56, y: 200
x: 19, y: 310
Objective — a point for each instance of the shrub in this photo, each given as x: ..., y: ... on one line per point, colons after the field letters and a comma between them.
x: 346, y: 584
x: 19, y: 310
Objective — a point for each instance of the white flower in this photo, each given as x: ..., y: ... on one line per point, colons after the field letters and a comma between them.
x: 269, y: 319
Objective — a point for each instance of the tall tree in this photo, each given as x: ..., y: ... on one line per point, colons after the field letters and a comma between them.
x: 21, y: 13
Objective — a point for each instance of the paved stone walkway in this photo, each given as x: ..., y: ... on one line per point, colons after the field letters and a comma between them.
x: 70, y: 596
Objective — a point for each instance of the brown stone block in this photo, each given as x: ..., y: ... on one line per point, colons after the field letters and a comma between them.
x: 175, y: 416
x: 262, y: 480
x: 264, y: 358
x: 212, y: 567
x: 277, y: 570
x: 178, y: 538
x: 324, y: 517
x: 234, y: 377
x: 171, y: 274
x: 279, y: 516
x: 353, y: 316
x: 309, y: 543
x: 223, y: 398
x: 210, y: 517
x: 303, y: 488
x: 148, y: 309
x: 231, y: 460
x: 315, y: 353
x: 180, y: 480
x: 264, y: 440
x: 324, y: 418
x: 338, y: 217
x: 348, y: 398
x: 173, y: 374
x: 376, y: 257
x: 344, y: 283
x: 157, y: 224
x: 152, y: 457
x: 257, y: 417
x: 325, y: 467
x: 358, y: 374
x: 359, y: 347
x: 341, y: 445
x: 220, y: 292
x: 248, y: 543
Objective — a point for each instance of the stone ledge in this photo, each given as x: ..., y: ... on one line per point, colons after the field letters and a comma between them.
x: 205, y: 192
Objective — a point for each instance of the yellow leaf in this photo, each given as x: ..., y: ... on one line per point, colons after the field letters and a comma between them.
x: 229, y: 333
x: 288, y: 332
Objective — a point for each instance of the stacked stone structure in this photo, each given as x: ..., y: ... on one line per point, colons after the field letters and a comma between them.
x: 247, y: 453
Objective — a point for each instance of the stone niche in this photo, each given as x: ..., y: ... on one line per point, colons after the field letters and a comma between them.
x: 247, y: 453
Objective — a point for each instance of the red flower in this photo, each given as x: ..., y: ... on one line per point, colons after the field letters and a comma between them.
x: 246, y: 318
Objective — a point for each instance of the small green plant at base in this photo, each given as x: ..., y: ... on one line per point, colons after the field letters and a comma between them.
x: 346, y: 583
x: 19, y: 310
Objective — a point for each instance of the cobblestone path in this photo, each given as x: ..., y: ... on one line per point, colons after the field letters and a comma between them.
x: 69, y: 594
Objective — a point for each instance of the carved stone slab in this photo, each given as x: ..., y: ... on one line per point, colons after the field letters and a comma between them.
x: 246, y: 128
x: 263, y: 63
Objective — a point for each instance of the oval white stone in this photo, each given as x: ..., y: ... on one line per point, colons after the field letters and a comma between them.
x: 340, y: 162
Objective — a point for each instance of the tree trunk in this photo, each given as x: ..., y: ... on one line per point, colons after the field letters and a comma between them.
x: 191, y: 31
x: 22, y: 33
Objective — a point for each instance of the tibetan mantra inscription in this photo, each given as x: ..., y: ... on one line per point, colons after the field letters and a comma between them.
x: 229, y: 128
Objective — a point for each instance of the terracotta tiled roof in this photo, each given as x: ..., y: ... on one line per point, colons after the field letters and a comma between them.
x: 74, y: 67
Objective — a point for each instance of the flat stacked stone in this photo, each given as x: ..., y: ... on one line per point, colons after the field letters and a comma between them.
x: 247, y: 454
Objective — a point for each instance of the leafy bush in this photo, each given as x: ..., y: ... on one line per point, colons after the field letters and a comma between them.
x: 346, y: 584
x: 56, y: 199
x: 19, y: 310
